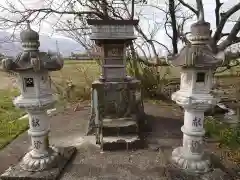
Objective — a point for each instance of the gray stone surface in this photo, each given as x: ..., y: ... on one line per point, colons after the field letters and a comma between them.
x: 17, y: 173
x: 90, y: 163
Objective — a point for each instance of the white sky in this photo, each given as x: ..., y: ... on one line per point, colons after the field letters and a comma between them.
x: 151, y: 15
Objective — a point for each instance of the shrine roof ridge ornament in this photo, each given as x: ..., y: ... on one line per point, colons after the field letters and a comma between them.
x: 112, y: 22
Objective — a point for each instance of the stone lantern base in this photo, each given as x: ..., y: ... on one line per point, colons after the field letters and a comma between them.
x: 190, y: 164
x: 54, y: 170
x: 116, y: 113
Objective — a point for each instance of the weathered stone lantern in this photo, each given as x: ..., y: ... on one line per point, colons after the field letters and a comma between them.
x: 116, y: 97
x: 197, y: 64
x: 36, y: 98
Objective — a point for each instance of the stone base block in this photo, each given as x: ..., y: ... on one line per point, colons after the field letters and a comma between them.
x: 113, y: 143
x: 18, y: 173
x: 190, y: 165
x: 215, y: 174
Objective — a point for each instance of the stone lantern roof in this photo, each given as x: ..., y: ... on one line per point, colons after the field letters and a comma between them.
x: 198, y: 53
x: 112, y: 29
x: 31, y: 58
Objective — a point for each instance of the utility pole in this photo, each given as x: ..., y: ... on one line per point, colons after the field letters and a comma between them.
x: 57, y: 48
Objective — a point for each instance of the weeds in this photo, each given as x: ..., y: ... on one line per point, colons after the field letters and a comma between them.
x: 10, y: 126
x: 228, y: 137
x: 153, y: 79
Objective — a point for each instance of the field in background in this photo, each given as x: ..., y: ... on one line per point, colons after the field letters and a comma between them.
x: 81, y: 71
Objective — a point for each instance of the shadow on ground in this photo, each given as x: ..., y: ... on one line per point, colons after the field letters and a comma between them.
x: 161, y: 132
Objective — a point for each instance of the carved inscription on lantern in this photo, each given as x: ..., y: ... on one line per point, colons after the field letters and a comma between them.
x: 35, y: 122
x: 196, y: 146
x: 37, y: 144
x: 197, y: 122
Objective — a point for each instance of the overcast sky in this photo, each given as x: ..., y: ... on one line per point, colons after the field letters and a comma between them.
x: 151, y: 15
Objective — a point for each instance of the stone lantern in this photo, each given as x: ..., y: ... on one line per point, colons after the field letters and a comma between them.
x: 36, y: 98
x: 116, y: 97
x: 197, y: 64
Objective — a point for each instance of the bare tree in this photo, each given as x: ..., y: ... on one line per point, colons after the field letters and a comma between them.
x: 71, y: 20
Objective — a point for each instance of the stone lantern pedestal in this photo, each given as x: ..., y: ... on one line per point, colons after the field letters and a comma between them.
x: 32, y: 67
x: 116, y: 98
x: 198, y: 63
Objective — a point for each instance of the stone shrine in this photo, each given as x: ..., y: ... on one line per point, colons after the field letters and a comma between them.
x: 197, y: 64
x: 32, y: 68
x: 116, y: 98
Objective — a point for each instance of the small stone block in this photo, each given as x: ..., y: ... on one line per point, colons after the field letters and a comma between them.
x: 178, y: 174
x: 216, y: 174
x: 119, y: 131
x: 17, y: 173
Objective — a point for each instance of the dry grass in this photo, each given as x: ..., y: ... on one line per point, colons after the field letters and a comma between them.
x: 78, y: 72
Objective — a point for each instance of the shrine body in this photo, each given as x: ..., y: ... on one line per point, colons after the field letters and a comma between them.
x: 116, y: 98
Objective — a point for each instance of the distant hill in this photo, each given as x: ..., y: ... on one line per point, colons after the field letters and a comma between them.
x: 66, y: 46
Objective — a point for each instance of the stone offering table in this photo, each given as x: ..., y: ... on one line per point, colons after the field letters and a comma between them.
x: 116, y: 98
x: 32, y: 67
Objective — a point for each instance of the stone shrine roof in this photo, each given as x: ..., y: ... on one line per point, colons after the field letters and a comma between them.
x: 31, y: 58
x: 112, y: 22
x: 109, y: 29
x: 198, y: 53
x: 36, y: 61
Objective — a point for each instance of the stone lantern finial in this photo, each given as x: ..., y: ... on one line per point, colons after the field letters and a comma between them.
x: 200, y: 11
x: 28, y: 24
x: 29, y: 39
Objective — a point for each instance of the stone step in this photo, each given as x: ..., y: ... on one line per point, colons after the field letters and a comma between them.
x: 118, y: 127
x: 119, y: 131
x: 113, y: 143
x: 118, y: 122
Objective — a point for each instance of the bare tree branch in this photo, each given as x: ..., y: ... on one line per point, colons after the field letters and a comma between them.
x: 232, y: 37
x: 217, y: 11
x: 223, y: 20
x: 189, y: 7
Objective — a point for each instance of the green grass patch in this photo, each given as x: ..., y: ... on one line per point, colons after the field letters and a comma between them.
x: 10, y: 126
x: 228, y: 137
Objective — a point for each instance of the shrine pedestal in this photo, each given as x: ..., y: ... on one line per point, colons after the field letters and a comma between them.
x: 116, y: 113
